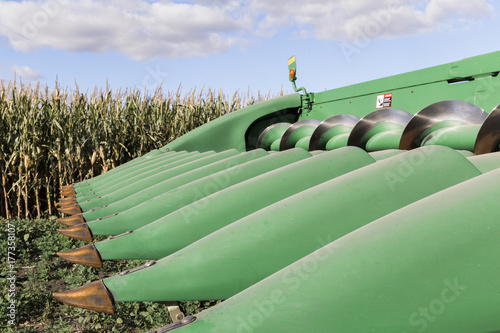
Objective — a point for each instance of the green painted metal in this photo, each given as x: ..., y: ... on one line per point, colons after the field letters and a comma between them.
x: 337, y: 141
x: 141, y: 181
x: 117, y: 181
x: 384, y: 140
x: 438, y: 126
x: 275, y: 146
x: 383, y: 154
x: 170, y: 201
x: 317, y: 152
x: 144, y: 165
x: 331, y: 133
x: 156, y: 153
x: 273, y: 134
x: 247, y: 251
x: 194, y: 221
x: 176, y: 177
x: 379, y: 128
x: 239, y: 129
x: 429, y: 267
x: 472, y: 80
x: 303, y: 142
x: 486, y: 162
x: 304, y: 132
x: 123, y: 167
x: 466, y: 153
x: 456, y: 137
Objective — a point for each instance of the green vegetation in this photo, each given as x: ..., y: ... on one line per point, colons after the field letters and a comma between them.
x: 53, y: 138
x: 39, y: 273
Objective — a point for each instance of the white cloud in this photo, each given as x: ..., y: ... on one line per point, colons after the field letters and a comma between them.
x: 348, y: 19
x: 442, y: 10
x: 25, y: 72
x: 148, y: 29
x: 137, y: 28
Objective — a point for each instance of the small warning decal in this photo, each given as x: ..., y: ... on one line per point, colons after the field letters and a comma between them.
x: 384, y: 101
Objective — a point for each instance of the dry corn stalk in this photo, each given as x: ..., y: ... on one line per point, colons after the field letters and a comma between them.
x: 54, y: 137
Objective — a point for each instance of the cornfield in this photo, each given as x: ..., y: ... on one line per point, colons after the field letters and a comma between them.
x: 50, y: 138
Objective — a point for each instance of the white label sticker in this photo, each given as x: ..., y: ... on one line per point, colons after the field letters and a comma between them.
x: 384, y: 101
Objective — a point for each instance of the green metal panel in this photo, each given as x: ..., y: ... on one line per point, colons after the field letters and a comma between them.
x: 438, y: 126
x: 135, y: 163
x: 275, y: 146
x: 166, y: 181
x: 298, y: 134
x: 133, y: 184
x: 468, y: 153
x: 383, y: 154
x: 183, y: 175
x: 233, y: 173
x: 337, y: 141
x: 486, y: 162
x: 245, y: 252
x: 192, y: 222
x: 230, y: 131
x: 331, y: 133
x: 474, y: 80
x: 127, y: 177
x: 429, y: 267
x: 273, y: 134
x: 303, y: 142
x: 384, y: 140
x: 457, y: 137
x: 379, y: 128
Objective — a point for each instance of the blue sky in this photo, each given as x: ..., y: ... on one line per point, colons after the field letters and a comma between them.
x: 236, y: 45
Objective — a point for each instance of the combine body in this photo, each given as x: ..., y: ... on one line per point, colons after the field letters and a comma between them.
x: 474, y: 81
x: 359, y: 209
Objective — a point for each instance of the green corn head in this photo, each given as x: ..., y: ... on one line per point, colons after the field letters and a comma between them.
x: 368, y: 208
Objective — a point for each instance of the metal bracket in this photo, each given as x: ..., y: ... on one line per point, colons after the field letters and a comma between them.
x: 174, y: 311
x: 307, y: 98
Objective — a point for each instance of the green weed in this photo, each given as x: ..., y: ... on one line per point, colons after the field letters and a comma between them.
x: 39, y: 273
